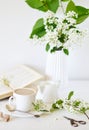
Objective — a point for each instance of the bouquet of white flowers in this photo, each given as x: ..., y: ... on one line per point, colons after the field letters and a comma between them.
x: 60, y: 32
x: 57, y: 33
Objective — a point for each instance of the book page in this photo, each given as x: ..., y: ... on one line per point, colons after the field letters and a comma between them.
x: 5, y: 92
x: 18, y: 77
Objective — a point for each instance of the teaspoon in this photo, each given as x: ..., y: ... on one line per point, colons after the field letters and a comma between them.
x: 12, y: 109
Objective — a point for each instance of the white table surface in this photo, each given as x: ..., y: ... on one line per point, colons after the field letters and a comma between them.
x: 54, y: 121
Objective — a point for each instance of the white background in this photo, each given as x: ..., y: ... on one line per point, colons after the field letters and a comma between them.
x: 16, y: 21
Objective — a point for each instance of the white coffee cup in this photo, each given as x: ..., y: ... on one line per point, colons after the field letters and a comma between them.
x: 22, y: 99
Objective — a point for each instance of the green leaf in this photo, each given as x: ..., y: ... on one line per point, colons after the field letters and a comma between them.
x: 71, y: 7
x: 36, y: 106
x: 59, y: 102
x: 60, y: 48
x: 76, y: 103
x: 44, y: 5
x: 70, y: 95
x: 57, y: 105
x: 43, y: 110
x: 83, y: 109
x: 47, y: 47
x: 81, y: 19
x: 83, y: 13
x: 53, y: 5
x: 38, y: 28
x: 66, y: 51
x: 64, y: 0
x: 55, y: 48
x: 82, y: 10
x: 54, y: 106
x: 37, y: 4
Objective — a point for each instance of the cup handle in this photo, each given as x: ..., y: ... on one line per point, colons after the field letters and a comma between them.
x: 12, y: 101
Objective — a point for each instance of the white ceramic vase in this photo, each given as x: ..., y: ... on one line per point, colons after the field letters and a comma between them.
x: 57, y: 67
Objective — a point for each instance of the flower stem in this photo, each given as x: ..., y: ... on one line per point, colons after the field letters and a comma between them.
x: 86, y: 115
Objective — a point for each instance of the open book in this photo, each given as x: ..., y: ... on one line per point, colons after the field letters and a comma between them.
x: 18, y: 77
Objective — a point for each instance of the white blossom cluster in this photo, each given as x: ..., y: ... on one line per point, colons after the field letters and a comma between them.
x: 60, y: 31
x: 75, y: 105
x: 39, y: 105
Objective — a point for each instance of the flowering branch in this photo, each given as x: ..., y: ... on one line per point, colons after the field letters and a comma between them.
x: 56, y: 33
x: 74, y: 106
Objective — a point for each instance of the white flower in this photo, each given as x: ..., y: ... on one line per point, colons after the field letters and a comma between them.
x: 71, y: 21
x: 72, y: 14
x: 49, y: 15
x: 52, y: 37
x: 35, y: 37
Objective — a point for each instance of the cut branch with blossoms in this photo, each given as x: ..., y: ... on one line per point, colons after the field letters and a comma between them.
x: 56, y: 33
x: 69, y: 104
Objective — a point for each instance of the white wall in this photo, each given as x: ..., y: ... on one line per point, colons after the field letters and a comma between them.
x: 79, y: 58
x: 16, y: 21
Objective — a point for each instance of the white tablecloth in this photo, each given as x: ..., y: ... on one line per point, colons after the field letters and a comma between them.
x: 53, y: 121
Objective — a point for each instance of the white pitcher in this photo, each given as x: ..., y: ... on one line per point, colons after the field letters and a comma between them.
x: 47, y: 91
